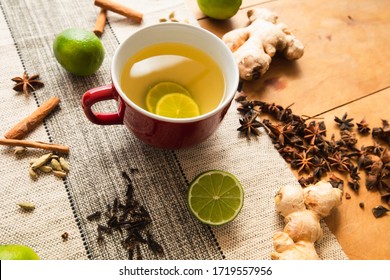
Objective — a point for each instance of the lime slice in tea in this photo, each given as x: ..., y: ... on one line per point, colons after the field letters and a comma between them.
x: 215, y: 197
x: 177, y: 105
x: 161, y: 89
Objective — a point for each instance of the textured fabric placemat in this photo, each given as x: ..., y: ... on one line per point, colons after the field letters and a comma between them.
x: 99, y: 154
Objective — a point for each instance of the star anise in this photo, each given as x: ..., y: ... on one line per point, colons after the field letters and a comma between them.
x: 382, y: 133
x: 336, y: 182
x: 374, y: 174
x: 341, y: 163
x: 26, y: 83
x: 303, y: 162
x: 353, y: 181
x: 249, y: 107
x: 344, y: 123
x: 348, y: 138
x: 314, y: 132
x: 354, y: 184
x: 362, y: 126
x: 287, y: 151
x: 250, y: 125
x: 285, y: 132
x: 321, y: 167
x: 285, y: 115
x: 272, y: 109
x: 307, y: 181
x: 375, y: 149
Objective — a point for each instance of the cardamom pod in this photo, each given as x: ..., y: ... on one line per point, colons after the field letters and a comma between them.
x: 19, y: 150
x: 60, y: 174
x: 27, y: 206
x: 55, y: 156
x: 56, y: 165
x: 33, y: 174
x: 46, y: 168
x: 41, y: 161
x: 64, y: 164
x: 32, y: 161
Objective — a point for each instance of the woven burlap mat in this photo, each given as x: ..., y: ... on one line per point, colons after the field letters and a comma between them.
x: 100, y: 154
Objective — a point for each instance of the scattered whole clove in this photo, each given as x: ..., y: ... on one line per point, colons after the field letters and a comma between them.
x: 131, y: 220
x: 65, y: 236
x: 94, y: 216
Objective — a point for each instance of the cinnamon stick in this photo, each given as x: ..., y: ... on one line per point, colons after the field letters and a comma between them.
x: 26, y: 125
x: 33, y: 144
x: 118, y: 8
x: 100, y: 22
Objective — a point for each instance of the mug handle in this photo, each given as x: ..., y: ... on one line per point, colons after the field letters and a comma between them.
x: 95, y: 95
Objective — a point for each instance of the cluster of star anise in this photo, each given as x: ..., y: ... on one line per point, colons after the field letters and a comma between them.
x: 302, y: 142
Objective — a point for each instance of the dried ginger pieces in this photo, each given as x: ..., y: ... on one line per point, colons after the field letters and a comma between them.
x: 255, y: 45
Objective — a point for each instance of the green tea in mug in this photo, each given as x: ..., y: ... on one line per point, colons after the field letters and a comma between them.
x: 167, y: 77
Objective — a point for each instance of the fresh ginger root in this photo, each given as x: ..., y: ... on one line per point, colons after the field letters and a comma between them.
x: 254, y: 46
x: 302, y: 210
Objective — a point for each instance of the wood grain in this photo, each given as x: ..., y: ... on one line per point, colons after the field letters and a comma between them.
x: 344, y: 69
x: 361, y: 235
x: 346, y: 46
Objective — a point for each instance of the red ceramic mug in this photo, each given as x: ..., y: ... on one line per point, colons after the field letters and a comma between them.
x: 152, y: 129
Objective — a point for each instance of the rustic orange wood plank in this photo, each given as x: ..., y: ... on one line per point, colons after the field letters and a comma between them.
x: 361, y: 235
x: 345, y: 60
x: 346, y: 49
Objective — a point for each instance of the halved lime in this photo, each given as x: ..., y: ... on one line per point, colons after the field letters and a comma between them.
x: 177, y: 105
x: 215, y: 197
x: 161, y: 89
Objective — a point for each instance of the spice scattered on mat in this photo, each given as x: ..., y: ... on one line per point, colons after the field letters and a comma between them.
x: 27, y: 206
x: 48, y: 163
x: 172, y: 18
x: 65, y: 236
x: 26, y: 83
x: 131, y: 220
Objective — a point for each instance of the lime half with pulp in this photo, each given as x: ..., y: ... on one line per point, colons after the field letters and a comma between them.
x: 177, y: 105
x: 215, y: 197
x: 159, y: 90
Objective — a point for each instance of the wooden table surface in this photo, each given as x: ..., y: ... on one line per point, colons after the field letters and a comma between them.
x: 345, y: 68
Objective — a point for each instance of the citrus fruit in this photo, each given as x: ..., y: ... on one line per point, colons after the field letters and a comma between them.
x: 79, y: 51
x: 177, y: 105
x: 215, y: 197
x: 17, y: 252
x: 159, y: 90
x: 219, y: 9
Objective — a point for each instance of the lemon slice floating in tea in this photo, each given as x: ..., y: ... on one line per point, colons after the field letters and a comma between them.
x: 177, y: 105
x: 215, y: 197
x: 161, y: 89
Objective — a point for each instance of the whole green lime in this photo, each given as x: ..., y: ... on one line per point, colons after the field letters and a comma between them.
x: 219, y: 9
x: 79, y: 51
x: 17, y: 252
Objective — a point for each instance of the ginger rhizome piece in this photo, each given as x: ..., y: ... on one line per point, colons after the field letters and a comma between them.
x: 255, y: 45
x: 302, y: 210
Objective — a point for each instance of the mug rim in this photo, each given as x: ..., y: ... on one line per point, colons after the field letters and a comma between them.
x: 225, y: 101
